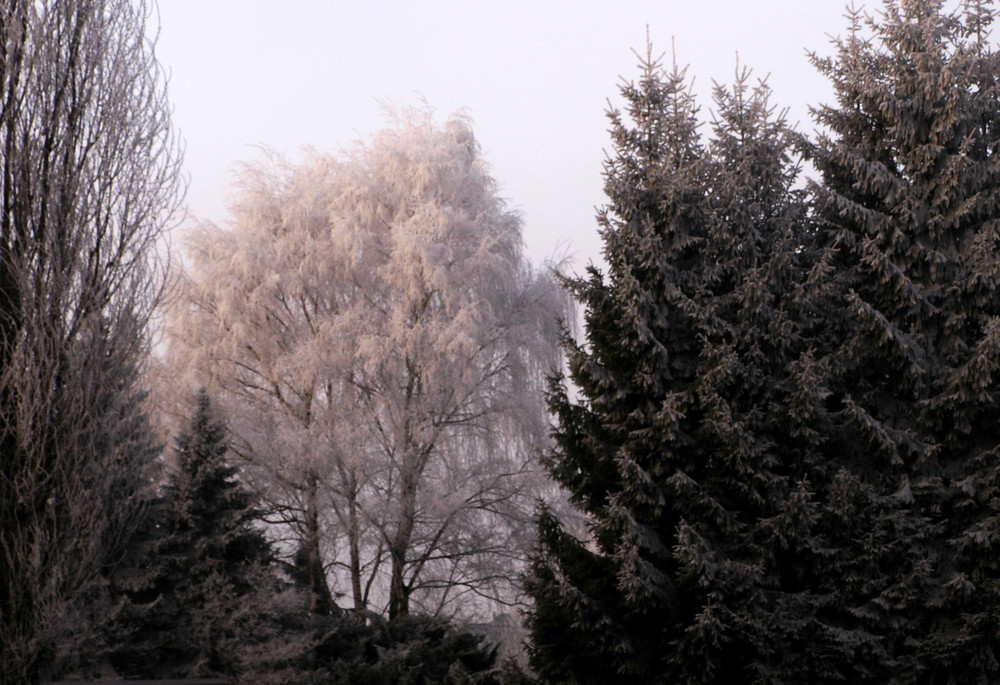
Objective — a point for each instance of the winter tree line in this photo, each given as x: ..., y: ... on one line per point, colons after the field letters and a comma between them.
x: 768, y: 453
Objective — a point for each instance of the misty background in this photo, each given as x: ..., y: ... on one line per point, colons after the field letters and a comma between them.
x: 534, y: 77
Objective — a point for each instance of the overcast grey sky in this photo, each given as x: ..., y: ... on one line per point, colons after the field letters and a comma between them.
x: 534, y: 75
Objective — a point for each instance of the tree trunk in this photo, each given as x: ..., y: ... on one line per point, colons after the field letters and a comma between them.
x: 399, y: 596
x: 399, y: 593
x: 353, y: 535
x: 321, y: 599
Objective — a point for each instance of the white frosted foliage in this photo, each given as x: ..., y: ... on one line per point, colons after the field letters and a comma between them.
x: 382, y: 345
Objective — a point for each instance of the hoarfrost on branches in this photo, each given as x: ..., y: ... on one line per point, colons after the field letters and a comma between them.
x: 383, y: 345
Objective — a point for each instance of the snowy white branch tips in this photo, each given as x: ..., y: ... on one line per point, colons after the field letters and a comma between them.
x: 382, y: 346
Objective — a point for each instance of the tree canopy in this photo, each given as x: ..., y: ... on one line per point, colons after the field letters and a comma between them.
x: 383, y: 344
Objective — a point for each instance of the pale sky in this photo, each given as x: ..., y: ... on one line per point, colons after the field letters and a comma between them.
x: 534, y: 75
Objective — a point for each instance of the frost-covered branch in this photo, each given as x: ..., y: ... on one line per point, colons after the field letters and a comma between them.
x: 383, y: 295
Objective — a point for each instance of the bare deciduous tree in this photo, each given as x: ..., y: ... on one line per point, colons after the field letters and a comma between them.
x: 88, y: 177
x: 383, y: 345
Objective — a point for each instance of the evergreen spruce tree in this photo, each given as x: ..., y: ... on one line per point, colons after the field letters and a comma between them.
x: 908, y: 207
x: 200, y: 571
x: 689, y: 395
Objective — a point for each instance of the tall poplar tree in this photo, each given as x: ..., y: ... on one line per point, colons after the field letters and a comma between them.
x: 88, y: 182
x: 673, y: 430
x: 908, y: 205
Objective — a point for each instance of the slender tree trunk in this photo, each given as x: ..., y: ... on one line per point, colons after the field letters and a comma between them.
x: 353, y: 536
x: 399, y: 598
x: 321, y: 599
x: 399, y: 593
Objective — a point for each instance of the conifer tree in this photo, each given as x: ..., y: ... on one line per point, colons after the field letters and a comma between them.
x: 203, y: 569
x: 675, y: 442
x: 908, y: 205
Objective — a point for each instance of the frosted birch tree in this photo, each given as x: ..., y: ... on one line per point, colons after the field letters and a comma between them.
x: 383, y: 345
